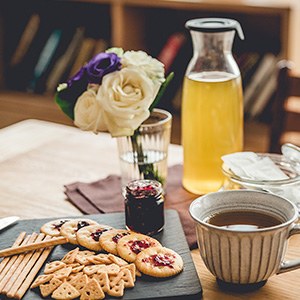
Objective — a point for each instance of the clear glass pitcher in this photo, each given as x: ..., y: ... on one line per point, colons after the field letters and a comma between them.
x: 212, y: 104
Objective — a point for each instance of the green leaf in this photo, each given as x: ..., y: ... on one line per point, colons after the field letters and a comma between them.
x: 66, y: 105
x: 162, y: 90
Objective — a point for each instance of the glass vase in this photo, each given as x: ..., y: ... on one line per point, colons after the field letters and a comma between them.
x: 144, y: 154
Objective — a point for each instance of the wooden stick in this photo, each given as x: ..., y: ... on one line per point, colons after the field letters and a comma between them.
x: 25, y: 272
x: 30, y: 277
x: 12, y: 260
x: 15, y: 265
x: 17, y: 242
x: 33, y: 246
x: 21, y: 266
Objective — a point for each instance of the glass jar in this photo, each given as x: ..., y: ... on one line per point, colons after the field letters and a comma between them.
x: 212, y: 104
x: 144, y: 206
x: 288, y: 188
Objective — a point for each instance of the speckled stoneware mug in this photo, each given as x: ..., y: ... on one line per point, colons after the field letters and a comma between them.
x: 244, y: 257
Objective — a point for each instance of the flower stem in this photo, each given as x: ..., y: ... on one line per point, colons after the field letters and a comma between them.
x: 146, y: 170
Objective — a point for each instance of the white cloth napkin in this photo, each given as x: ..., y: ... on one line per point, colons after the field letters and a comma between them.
x: 248, y: 165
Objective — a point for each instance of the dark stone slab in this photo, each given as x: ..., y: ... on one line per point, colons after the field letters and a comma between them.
x: 186, y: 285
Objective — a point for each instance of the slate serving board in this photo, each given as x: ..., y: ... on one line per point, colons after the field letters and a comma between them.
x: 186, y: 285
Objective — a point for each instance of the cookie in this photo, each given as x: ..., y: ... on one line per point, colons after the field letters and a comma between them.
x: 99, y: 259
x: 82, y: 257
x: 65, y: 291
x: 47, y: 289
x: 70, y: 228
x: 109, y: 239
x: 92, y: 290
x: 41, y: 280
x: 53, y: 227
x: 103, y: 280
x: 54, y: 266
x: 80, y: 282
x: 70, y: 257
x: 130, y: 246
x: 159, y: 262
x: 117, y: 260
x: 88, y: 236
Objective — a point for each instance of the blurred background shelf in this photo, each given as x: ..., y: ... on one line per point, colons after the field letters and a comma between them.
x: 69, y: 32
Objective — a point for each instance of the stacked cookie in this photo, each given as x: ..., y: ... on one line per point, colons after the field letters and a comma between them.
x: 126, y: 249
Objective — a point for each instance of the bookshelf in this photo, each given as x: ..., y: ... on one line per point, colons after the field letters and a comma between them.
x: 146, y: 25
x: 143, y: 24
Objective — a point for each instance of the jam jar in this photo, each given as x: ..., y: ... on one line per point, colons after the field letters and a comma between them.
x: 144, y: 206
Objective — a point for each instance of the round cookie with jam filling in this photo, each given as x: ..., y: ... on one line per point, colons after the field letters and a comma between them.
x: 53, y: 227
x: 89, y: 236
x: 131, y: 245
x: 70, y: 228
x: 159, y: 262
x: 109, y: 239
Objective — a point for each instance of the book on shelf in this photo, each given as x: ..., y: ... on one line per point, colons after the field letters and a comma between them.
x: 263, y: 98
x: 170, y: 50
x: 21, y: 72
x: 45, y: 57
x: 175, y: 55
x: 2, y: 80
x: 64, y: 62
x: 100, y: 46
x: 88, y: 49
x: 26, y: 39
x: 84, y: 54
x: 258, y: 80
x: 248, y: 62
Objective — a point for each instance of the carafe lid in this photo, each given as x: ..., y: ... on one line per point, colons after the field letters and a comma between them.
x: 215, y: 25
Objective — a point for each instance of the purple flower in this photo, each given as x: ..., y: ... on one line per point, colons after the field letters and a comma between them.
x: 80, y: 76
x: 100, y: 65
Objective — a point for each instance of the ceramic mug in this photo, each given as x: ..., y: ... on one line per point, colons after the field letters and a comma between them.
x: 245, y: 257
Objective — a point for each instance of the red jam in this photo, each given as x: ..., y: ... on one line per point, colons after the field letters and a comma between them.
x: 137, y: 246
x: 144, y: 206
x: 96, y: 235
x: 58, y: 226
x: 161, y: 260
x: 118, y: 236
x: 82, y: 224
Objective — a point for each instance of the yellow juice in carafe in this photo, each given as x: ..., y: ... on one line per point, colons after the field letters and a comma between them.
x: 212, y: 126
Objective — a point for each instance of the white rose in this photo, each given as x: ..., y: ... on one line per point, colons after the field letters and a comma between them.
x: 88, y: 113
x: 153, y: 68
x: 125, y: 97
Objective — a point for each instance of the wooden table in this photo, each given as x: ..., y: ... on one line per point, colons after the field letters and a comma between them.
x: 37, y: 158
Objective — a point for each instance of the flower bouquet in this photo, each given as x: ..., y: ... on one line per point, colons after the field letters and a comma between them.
x: 116, y: 91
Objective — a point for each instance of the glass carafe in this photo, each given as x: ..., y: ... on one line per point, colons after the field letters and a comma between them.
x: 212, y: 104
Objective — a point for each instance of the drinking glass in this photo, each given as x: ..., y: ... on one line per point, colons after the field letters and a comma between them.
x: 144, y: 155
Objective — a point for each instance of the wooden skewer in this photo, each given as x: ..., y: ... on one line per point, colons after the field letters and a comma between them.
x: 11, y: 261
x: 18, y: 269
x: 15, y: 266
x: 33, y: 246
x: 17, y: 242
x: 30, y: 277
x: 25, y: 272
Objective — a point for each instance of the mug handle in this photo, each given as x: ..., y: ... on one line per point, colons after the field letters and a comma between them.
x: 290, y: 265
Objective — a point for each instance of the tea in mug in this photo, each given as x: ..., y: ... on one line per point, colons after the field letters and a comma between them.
x: 246, y: 220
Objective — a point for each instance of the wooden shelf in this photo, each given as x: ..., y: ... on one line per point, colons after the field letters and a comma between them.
x: 129, y: 18
x: 144, y: 24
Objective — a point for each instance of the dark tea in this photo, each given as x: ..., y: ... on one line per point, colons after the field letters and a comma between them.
x: 243, y: 220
